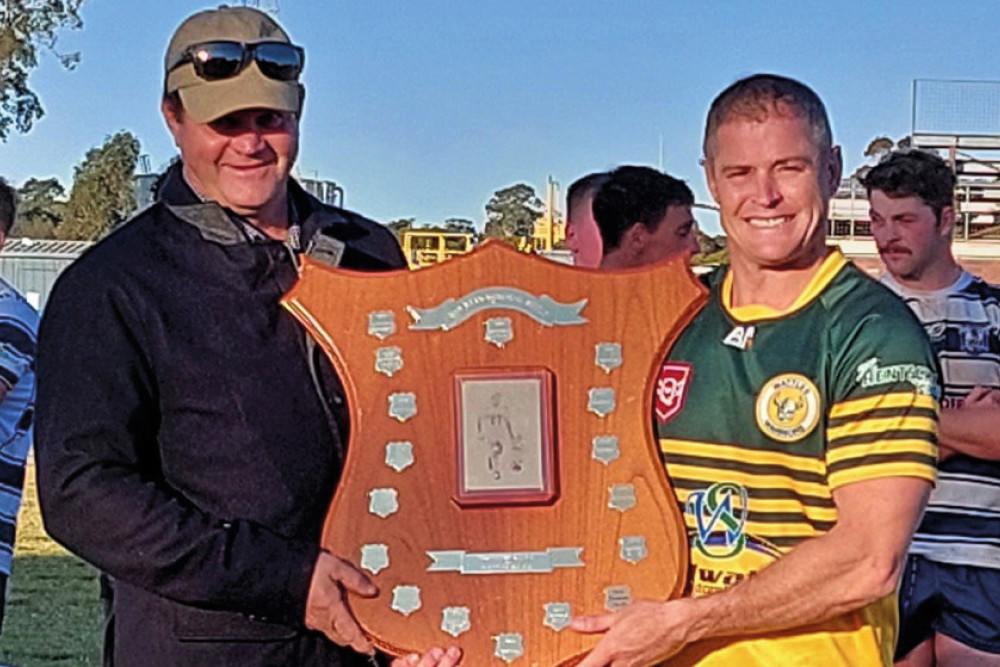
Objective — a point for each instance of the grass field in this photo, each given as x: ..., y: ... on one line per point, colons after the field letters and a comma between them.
x: 53, y: 612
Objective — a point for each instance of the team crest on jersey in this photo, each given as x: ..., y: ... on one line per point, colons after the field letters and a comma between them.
x: 788, y: 407
x: 975, y: 338
x: 671, y: 390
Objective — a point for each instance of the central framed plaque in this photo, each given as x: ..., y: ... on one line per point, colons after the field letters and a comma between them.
x: 501, y: 475
x: 504, y: 437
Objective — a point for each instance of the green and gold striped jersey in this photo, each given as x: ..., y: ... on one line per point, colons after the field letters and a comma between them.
x: 762, y: 414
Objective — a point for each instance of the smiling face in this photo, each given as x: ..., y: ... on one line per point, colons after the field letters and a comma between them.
x: 241, y: 160
x: 773, y: 185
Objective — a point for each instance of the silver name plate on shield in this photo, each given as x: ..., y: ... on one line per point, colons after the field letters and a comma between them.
x: 504, y: 562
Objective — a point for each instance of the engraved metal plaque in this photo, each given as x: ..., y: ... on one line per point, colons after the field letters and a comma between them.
x: 388, y: 360
x: 383, y: 502
x: 505, y: 562
x: 617, y: 597
x: 402, y: 406
x: 406, y: 599
x: 605, y: 448
x: 381, y: 324
x: 399, y: 455
x: 608, y: 356
x: 601, y: 401
x: 455, y: 620
x: 557, y: 615
x: 510, y: 646
x: 499, y: 331
x: 374, y: 557
x: 621, y: 497
x: 633, y: 548
x: 452, y: 312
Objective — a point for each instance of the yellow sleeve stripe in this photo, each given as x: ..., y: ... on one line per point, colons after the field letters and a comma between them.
x: 776, y: 506
x: 882, y: 425
x: 691, y: 448
x: 909, y: 446
x: 895, y: 400
x: 709, y: 476
x: 876, y: 471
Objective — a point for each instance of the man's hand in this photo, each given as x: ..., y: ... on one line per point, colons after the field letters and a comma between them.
x: 436, y: 657
x: 981, y: 397
x: 326, y: 608
x: 644, y: 633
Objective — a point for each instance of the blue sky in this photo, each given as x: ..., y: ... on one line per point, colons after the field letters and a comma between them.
x: 424, y: 109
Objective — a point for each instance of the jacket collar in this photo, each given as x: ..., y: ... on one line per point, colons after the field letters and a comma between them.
x: 325, y: 230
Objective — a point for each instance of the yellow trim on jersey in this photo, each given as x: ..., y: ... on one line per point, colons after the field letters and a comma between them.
x: 894, y: 400
x: 825, y: 273
x: 879, y: 470
x: 777, y: 505
x: 745, y: 455
x: 709, y: 476
x: 909, y: 446
x: 883, y: 425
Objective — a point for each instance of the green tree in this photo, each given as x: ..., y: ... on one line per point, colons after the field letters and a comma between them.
x: 102, y: 194
x: 400, y: 225
x: 41, y: 208
x: 714, y: 250
x: 512, y: 212
x: 26, y: 28
x: 460, y: 225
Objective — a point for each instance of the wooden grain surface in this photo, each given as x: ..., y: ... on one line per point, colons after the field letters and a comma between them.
x: 641, y: 309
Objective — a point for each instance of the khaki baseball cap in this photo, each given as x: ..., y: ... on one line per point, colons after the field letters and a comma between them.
x: 204, y: 101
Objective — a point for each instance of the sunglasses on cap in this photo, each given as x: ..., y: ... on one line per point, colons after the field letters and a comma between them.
x: 218, y: 60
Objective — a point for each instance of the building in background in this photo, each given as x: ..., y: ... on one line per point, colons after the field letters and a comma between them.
x: 32, y: 266
x: 960, y: 120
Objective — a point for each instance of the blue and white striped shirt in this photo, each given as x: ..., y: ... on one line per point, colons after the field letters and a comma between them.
x: 18, y: 335
x: 962, y: 522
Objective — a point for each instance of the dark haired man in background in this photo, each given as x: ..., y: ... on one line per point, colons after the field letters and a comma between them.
x: 950, y: 614
x: 644, y: 217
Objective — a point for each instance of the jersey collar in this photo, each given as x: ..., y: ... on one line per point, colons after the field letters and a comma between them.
x: 828, y: 270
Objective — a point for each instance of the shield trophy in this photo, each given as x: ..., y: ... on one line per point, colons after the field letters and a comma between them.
x: 502, y: 474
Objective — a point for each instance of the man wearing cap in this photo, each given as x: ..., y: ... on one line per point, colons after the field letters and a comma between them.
x: 194, y: 434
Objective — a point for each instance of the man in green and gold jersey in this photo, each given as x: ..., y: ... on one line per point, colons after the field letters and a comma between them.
x: 796, y: 415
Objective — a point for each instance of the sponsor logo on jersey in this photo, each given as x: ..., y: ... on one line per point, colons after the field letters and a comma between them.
x: 788, y: 407
x: 671, y: 390
x: 741, y: 337
x: 720, y: 518
x: 871, y: 374
x: 722, y: 552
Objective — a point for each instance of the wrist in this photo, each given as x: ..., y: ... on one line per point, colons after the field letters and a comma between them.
x: 700, y: 617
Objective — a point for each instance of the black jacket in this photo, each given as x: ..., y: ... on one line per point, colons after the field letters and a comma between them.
x: 183, y: 444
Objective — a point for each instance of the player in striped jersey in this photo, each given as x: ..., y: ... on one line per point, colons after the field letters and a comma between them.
x: 801, y: 446
x: 18, y: 329
x: 949, y: 609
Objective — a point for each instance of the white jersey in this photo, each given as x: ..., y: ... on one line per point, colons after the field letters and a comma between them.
x: 962, y: 522
x: 18, y: 331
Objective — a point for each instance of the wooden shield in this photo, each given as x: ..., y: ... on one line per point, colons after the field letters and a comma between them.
x: 502, y: 474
